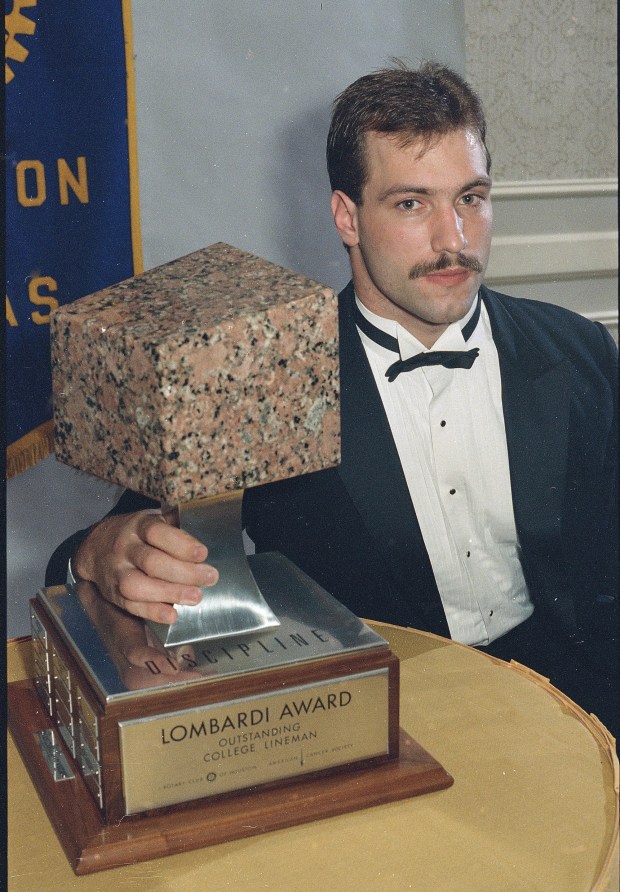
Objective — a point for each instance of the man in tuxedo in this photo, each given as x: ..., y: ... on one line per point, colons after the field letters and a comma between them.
x: 475, y: 497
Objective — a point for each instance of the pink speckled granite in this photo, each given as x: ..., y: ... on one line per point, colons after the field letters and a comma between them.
x: 214, y: 372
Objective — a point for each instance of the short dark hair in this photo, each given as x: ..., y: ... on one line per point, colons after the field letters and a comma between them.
x: 423, y: 104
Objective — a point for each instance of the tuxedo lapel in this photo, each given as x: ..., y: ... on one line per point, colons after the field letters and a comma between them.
x: 373, y: 476
x: 535, y: 396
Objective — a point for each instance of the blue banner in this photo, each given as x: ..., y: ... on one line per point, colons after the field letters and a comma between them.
x: 71, y: 186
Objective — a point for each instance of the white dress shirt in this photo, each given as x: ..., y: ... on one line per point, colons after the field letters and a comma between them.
x: 448, y: 427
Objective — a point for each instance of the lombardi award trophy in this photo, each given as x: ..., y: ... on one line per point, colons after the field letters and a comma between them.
x: 190, y: 383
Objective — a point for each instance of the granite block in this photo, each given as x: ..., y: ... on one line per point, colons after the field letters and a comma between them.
x: 214, y: 372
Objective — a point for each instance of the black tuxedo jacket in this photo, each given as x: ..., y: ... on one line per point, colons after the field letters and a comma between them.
x: 354, y: 528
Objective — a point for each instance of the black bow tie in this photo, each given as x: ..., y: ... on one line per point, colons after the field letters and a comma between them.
x: 451, y: 359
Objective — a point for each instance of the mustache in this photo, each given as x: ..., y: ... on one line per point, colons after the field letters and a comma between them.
x: 445, y: 262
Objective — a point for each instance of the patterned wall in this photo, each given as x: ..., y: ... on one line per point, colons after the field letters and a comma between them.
x: 546, y: 71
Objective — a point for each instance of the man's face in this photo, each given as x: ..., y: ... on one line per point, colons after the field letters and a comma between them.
x: 420, y: 239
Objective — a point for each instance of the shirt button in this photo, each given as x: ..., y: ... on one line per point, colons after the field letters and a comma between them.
x: 442, y: 423
x: 452, y: 491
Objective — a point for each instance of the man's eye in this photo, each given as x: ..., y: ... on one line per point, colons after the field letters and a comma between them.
x: 409, y: 204
x: 472, y: 200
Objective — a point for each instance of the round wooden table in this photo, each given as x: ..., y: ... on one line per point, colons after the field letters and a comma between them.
x: 534, y: 805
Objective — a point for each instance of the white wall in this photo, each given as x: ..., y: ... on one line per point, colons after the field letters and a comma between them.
x: 233, y: 108
x: 546, y: 71
x: 557, y: 241
x: 233, y: 100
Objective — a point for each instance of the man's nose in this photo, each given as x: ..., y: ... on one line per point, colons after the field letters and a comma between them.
x: 447, y: 234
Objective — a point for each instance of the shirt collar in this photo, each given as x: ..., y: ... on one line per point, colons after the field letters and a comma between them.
x: 408, y: 345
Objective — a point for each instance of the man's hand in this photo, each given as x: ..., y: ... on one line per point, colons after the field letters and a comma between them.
x: 140, y: 658
x: 142, y: 563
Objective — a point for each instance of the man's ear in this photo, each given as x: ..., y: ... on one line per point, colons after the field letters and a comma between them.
x: 344, y: 211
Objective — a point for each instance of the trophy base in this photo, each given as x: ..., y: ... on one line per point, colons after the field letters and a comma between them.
x: 92, y: 845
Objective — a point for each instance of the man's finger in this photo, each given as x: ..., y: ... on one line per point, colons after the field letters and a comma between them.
x: 158, y: 564
x: 155, y: 531
x: 136, y: 587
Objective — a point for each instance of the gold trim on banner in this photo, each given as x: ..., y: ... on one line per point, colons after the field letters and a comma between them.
x: 36, y: 445
x: 132, y: 139
x: 30, y: 449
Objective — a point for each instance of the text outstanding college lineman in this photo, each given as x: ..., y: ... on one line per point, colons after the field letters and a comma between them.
x: 475, y: 497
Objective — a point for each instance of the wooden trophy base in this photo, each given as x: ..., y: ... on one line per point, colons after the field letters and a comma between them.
x: 92, y: 845
x: 261, y: 732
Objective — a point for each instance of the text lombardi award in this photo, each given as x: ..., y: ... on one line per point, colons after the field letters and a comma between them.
x: 188, y: 384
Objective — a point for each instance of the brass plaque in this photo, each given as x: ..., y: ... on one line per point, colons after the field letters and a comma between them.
x: 214, y: 749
